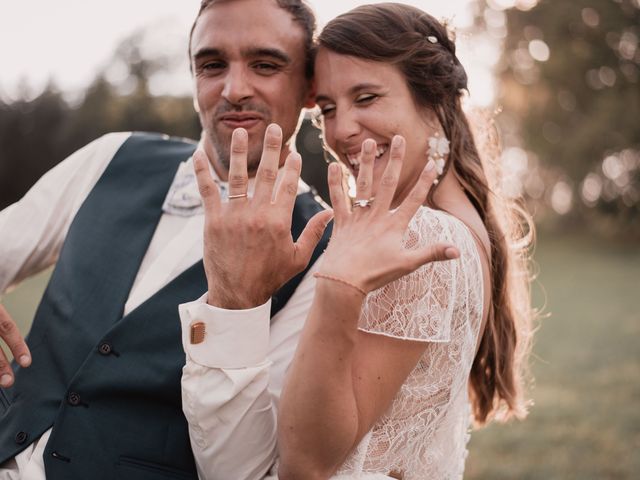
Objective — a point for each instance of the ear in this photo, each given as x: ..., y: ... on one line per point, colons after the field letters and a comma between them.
x: 310, y: 99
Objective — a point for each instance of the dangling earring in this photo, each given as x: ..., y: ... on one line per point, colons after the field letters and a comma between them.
x: 438, y: 148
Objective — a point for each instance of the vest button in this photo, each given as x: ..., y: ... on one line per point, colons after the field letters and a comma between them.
x: 73, y: 399
x: 104, y: 349
x: 21, y: 437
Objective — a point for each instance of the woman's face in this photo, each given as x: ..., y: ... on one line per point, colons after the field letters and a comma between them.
x: 362, y: 99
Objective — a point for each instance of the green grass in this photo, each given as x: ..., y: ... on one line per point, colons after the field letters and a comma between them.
x: 585, y: 423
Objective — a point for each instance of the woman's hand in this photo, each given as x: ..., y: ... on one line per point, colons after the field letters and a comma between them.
x: 366, y: 248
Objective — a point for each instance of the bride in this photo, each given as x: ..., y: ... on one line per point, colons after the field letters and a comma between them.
x: 396, y: 358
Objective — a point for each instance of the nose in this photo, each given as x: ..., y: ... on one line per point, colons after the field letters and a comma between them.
x: 345, y: 125
x: 237, y: 86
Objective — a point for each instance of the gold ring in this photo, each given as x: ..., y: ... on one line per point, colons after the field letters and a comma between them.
x: 240, y: 195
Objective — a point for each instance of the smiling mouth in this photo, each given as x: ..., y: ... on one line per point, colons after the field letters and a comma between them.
x: 354, y: 158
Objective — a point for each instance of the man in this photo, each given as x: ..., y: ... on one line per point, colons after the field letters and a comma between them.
x: 122, y: 217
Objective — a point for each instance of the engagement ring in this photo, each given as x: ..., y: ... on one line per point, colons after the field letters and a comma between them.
x: 363, y: 203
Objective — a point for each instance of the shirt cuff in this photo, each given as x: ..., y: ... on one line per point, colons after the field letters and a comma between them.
x: 232, y: 339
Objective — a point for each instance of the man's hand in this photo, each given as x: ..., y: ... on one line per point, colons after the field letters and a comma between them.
x: 249, y: 252
x: 10, y: 335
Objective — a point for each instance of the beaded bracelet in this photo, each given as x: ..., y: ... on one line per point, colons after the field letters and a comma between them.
x: 340, y: 280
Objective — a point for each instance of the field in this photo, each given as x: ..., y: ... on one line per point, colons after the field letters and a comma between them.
x: 585, y: 423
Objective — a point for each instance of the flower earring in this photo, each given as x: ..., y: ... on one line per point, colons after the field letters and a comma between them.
x: 438, y: 148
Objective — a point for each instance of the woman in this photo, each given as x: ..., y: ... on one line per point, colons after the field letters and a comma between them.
x: 393, y: 361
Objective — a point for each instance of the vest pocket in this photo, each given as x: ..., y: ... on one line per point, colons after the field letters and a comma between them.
x: 130, y: 468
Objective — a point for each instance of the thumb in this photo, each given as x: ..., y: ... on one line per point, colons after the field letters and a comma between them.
x: 433, y: 253
x: 310, y: 237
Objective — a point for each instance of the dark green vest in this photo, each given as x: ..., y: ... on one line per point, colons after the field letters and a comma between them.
x: 109, y: 384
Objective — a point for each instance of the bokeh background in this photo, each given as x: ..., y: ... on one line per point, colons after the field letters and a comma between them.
x: 562, y: 80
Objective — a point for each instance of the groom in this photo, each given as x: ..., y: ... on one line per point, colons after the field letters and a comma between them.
x: 97, y: 392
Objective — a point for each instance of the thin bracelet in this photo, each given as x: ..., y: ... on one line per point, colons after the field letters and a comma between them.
x: 340, y: 280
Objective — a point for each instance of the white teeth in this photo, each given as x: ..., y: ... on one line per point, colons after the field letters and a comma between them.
x: 354, y: 158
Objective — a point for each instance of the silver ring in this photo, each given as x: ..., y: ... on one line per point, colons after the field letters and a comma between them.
x: 240, y: 195
x: 362, y: 203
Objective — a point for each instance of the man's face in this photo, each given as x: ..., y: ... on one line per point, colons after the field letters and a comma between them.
x: 248, y: 60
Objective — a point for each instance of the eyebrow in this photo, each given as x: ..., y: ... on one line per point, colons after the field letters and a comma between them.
x: 352, y: 91
x: 248, y: 53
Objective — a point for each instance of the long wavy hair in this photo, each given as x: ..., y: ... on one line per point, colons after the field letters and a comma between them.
x: 421, y: 48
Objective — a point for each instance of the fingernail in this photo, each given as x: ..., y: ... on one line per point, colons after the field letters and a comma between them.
x: 430, y: 165
x: 368, y: 146
x: 451, y: 253
x: 275, y: 129
x: 397, y: 141
x: 24, y: 360
x: 240, y: 133
x: 5, y: 380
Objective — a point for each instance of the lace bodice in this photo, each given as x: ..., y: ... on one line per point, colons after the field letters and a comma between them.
x: 424, y: 433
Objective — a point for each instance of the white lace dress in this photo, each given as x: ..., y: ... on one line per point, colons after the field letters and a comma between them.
x: 425, y: 432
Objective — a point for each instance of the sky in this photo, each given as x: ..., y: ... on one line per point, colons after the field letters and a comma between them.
x: 69, y: 40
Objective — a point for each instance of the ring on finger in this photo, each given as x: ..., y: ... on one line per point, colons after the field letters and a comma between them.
x: 362, y: 203
x: 239, y: 195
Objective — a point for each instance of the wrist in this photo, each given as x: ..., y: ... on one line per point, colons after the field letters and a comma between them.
x: 232, y: 301
x: 337, y: 291
x: 345, y: 282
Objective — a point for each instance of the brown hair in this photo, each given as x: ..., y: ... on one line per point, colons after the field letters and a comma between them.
x: 300, y: 11
x: 420, y: 47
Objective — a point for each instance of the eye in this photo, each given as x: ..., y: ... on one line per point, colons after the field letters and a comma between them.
x: 328, y: 109
x: 212, y: 67
x: 365, y: 98
x: 266, y: 68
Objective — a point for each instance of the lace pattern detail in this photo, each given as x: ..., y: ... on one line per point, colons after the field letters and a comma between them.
x: 425, y: 431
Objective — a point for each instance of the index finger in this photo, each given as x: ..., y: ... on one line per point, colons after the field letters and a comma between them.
x: 11, y: 335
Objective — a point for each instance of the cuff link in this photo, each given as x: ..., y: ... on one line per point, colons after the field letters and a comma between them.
x: 198, y: 331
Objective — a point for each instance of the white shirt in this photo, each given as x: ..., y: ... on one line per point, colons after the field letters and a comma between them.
x: 231, y: 382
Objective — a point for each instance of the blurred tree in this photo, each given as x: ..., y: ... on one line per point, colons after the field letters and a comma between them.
x: 37, y: 134
x: 31, y: 140
x: 570, y: 73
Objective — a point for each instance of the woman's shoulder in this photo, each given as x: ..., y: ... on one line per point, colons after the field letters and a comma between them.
x: 429, y: 226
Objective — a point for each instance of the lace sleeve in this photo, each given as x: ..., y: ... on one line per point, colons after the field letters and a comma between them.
x: 418, y: 306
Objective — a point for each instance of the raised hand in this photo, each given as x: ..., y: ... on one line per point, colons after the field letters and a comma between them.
x: 249, y: 252
x: 11, y: 337
x: 366, y: 248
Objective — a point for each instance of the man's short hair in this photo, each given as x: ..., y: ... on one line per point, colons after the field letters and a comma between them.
x: 302, y: 15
